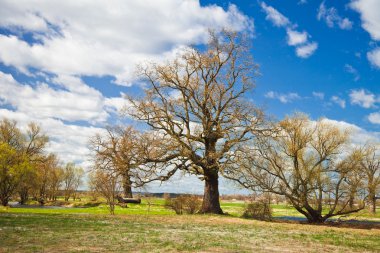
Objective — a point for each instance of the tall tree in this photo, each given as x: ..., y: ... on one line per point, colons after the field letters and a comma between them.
x: 196, y: 104
x: 305, y: 163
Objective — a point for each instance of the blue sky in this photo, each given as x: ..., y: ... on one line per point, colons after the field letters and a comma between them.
x: 67, y: 64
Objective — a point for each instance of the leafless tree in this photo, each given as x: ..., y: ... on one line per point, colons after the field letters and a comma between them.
x: 196, y: 106
x: 304, y: 162
x: 72, y: 179
x: 370, y: 165
x: 117, y: 151
x: 107, y: 183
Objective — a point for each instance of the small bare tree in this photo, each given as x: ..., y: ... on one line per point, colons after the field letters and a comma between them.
x: 305, y: 163
x: 107, y: 183
x: 72, y: 179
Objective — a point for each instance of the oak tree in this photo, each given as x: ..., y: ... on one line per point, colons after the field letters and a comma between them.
x: 197, y: 105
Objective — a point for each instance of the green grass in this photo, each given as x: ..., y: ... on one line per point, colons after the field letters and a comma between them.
x: 135, y: 229
x: 38, y: 232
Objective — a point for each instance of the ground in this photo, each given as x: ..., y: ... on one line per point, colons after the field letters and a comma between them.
x: 155, y: 229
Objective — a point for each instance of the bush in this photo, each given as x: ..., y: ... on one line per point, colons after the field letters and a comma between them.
x: 189, y: 204
x: 260, y: 210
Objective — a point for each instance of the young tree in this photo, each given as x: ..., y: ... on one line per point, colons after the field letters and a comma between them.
x: 118, y: 151
x: 303, y: 162
x: 196, y: 105
x: 72, y: 179
x: 107, y: 183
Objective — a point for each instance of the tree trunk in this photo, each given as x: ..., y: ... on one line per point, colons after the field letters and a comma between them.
x: 127, y: 187
x: 315, y: 218
x: 372, y: 200
x: 211, y: 202
x: 23, y: 195
x: 4, y: 200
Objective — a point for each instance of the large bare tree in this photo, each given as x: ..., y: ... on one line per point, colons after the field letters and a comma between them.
x: 304, y: 161
x: 196, y: 105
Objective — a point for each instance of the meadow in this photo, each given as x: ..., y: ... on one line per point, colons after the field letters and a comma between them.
x: 153, y: 228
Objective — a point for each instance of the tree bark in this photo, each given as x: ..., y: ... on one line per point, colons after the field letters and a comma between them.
x: 211, y: 202
x: 4, y: 201
x: 372, y: 200
x: 127, y: 187
x: 23, y: 195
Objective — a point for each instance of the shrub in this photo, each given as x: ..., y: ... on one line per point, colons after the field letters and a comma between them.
x: 260, y: 210
x: 189, y: 204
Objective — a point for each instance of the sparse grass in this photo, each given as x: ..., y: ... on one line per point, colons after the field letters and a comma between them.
x: 134, y: 229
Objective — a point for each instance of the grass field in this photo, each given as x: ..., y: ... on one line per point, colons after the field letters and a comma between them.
x: 135, y: 229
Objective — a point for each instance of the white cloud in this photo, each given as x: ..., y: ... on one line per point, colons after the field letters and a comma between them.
x: 374, y: 118
x: 359, y: 136
x: 319, y: 95
x: 306, y: 50
x: 283, y: 97
x: 332, y: 18
x: 274, y: 16
x: 363, y: 98
x: 350, y: 69
x: 300, y: 2
x: 369, y: 12
x: 76, y: 102
x: 374, y: 57
x: 111, y: 38
x: 339, y: 101
x: 296, y: 38
x: 43, y: 101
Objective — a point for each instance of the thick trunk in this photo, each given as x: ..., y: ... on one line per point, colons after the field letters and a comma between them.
x: 372, y: 204
x: 4, y: 201
x: 127, y: 187
x: 315, y: 218
x: 211, y: 202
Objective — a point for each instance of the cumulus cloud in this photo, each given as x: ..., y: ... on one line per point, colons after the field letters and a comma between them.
x: 374, y: 57
x: 369, y: 13
x: 108, y: 40
x: 78, y: 102
x: 296, y: 38
x: 283, y: 97
x: 332, y: 18
x: 374, y: 118
x: 363, y: 98
x: 304, y: 48
x: 339, y: 101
